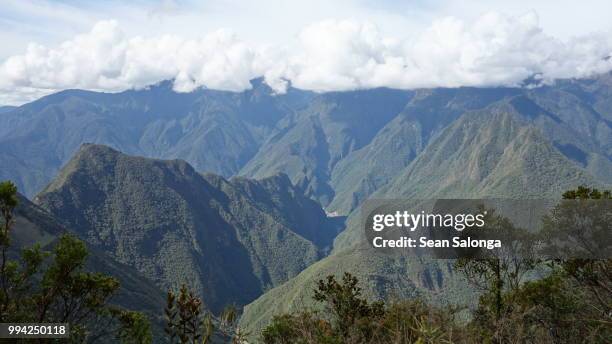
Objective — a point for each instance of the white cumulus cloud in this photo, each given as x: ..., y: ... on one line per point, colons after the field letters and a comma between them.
x: 493, y: 50
x: 104, y: 59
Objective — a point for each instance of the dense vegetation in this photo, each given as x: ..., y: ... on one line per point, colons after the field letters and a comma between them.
x: 158, y: 227
x: 229, y: 239
x: 571, y: 304
x: 52, y: 287
x: 54, y: 284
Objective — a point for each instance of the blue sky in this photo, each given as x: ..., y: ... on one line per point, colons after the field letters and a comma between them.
x: 269, y: 21
x: 317, y: 44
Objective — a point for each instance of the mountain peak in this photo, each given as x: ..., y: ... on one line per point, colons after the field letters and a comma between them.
x: 95, y: 161
x: 231, y: 244
x: 89, y: 147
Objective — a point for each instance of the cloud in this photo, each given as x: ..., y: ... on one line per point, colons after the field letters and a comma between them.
x: 493, y: 50
x: 106, y: 60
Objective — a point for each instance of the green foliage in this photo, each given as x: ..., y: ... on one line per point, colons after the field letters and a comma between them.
x: 52, y: 287
x: 8, y: 270
x: 344, y: 302
x: 588, y: 223
x: 496, y: 274
x: 141, y: 209
x: 183, y: 316
x: 591, y: 279
x: 583, y: 192
x: 187, y: 322
x: 134, y: 327
x: 414, y: 321
x: 570, y: 304
x: 8, y: 202
x: 301, y: 328
x: 349, y: 318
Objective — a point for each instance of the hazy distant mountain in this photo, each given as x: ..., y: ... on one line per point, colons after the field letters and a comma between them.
x: 215, y: 131
x: 489, y: 152
x: 577, y: 130
x: 230, y: 240
x: 338, y: 147
x: 401, y: 140
x: 310, y: 143
x: 6, y: 108
x: 496, y: 152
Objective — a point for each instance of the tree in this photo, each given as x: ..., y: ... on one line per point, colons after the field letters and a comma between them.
x: 8, y: 202
x: 344, y: 302
x: 498, y: 272
x: 183, y: 317
x: 571, y: 303
x: 303, y: 327
x: 584, y: 218
x: 187, y: 322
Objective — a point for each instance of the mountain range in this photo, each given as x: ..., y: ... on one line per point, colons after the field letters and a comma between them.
x: 251, y: 210
x: 332, y: 145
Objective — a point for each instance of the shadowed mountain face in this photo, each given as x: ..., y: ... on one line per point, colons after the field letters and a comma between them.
x: 215, y: 131
x: 34, y: 225
x: 229, y: 240
x: 310, y: 143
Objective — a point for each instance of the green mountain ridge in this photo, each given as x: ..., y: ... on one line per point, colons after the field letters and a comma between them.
x: 365, y: 170
x: 245, y: 224
x: 313, y: 141
x: 492, y: 153
x: 177, y: 226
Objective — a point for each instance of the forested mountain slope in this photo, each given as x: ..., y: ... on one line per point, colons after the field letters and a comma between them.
x: 34, y: 225
x: 230, y: 240
x: 495, y: 152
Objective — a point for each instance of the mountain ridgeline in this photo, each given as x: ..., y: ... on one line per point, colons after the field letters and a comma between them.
x: 495, y: 152
x: 337, y: 147
x: 229, y: 239
x: 240, y: 217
